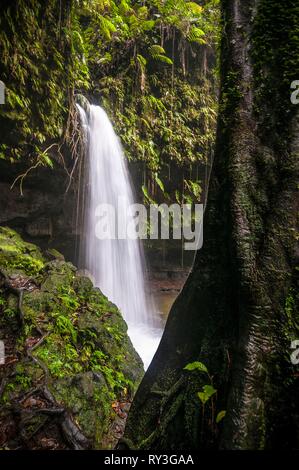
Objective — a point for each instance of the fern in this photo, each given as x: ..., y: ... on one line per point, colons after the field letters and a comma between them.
x: 125, y: 8
x: 107, y: 27
x: 194, y: 8
x: 141, y: 60
x: 158, y: 53
x: 196, y: 35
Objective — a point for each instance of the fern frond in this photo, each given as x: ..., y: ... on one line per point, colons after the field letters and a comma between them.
x: 158, y: 53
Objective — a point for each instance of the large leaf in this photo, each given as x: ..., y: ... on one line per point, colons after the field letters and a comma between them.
x: 207, y: 392
x: 107, y: 27
x: 196, y: 35
x: 196, y: 366
x: 158, y: 53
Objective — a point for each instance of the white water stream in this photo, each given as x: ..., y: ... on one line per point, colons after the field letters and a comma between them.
x: 116, y: 265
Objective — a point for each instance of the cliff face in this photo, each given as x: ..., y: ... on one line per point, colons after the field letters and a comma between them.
x: 70, y: 369
x: 37, y: 66
x: 42, y: 212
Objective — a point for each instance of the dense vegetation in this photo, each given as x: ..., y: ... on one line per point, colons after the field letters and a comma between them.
x: 222, y: 376
x: 153, y: 74
x: 148, y: 63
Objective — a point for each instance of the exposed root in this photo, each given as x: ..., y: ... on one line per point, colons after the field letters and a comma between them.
x: 74, y: 138
x: 19, y: 292
x: 124, y: 444
x: 73, y: 434
x: 70, y: 430
x: 166, y: 395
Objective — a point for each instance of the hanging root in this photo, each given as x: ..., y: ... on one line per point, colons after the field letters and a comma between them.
x: 74, y: 138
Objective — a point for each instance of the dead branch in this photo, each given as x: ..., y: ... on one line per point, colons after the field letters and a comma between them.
x: 33, y: 167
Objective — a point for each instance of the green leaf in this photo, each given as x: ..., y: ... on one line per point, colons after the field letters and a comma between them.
x: 105, y: 59
x: 142, y: 60
x: 148, y: 25
x: 158, y: 53
x: 159, y: 183
x: 194, y: 8
x: 107, y: 27
x: 202, y: 397
x: 145, y: 192
x: 196, y: 366
x: 207, y: 392
x: 177, y: 196
x: 147, y: 196
x: 163, y: 58
x: 196, y: 35
x: 125, y: 8
x: 46, y: 160
x: 220, y: 416
x: 156, y: 49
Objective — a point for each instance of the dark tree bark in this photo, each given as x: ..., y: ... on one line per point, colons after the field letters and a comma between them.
x: 231, y: 314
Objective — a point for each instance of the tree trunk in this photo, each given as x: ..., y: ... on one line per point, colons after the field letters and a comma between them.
x: 231, y: 313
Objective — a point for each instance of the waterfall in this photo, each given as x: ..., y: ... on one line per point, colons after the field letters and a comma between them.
x: 116, y: 265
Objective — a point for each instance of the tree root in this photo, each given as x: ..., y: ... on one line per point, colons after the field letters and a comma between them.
x: 166, y: 396
x: 73, y: 434
x: 32, y: 411
x: 70, y: 430
x: 125, y: 443
x: 19, y: 292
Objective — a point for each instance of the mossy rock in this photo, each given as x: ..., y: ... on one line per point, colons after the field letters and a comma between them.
x: 89, y: 357
x: 16, y: 255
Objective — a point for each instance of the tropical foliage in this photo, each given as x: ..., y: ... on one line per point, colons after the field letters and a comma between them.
x: 148, y: 63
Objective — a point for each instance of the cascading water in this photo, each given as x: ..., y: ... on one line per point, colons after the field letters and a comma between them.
x: 116, y: 265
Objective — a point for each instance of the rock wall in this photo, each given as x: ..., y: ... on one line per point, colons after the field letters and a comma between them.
x: 39, y: 210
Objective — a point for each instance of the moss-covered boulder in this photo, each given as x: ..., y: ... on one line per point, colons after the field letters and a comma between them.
x: 70, y: 368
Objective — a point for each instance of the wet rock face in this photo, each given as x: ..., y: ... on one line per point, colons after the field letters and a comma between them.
x: 70, y: 369
x: 39, y: 210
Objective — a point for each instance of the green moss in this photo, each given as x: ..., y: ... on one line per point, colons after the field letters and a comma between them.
x: 90, y: 359
x: 16, y: 254
x: 37, y: 69
x: 275, y: 53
